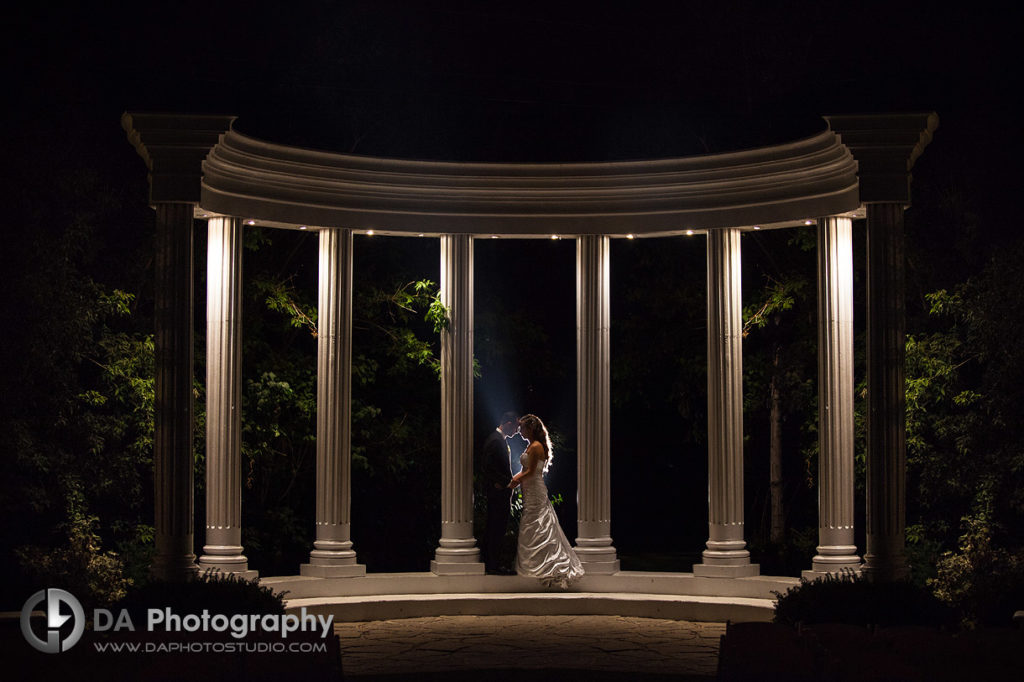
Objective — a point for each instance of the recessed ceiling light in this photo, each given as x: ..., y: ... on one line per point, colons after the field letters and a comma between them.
x: 369, y: 233
x: 689, y: 232
x: 629, y: 236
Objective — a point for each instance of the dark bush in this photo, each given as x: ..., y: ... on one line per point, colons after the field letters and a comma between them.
x: 984, y: 583
x: 852, y: 599
x: 216, y: 592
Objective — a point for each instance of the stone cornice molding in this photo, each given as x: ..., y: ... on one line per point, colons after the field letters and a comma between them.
x: 173, y: 147
x: 290, y: 186
x: 886, y: 147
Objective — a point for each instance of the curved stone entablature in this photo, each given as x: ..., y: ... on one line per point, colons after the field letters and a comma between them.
x: 292, y: 187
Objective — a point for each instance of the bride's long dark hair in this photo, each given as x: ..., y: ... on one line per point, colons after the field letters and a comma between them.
x: 540, y: 432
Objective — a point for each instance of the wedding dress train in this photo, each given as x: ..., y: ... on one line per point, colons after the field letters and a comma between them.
x: 543, y: 550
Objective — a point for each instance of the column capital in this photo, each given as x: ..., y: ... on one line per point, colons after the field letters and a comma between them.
x: 174, y: 147
x: 885, y: 147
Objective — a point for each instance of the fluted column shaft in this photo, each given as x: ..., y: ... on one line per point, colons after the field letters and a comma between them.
x: 836, y: 549
x: 457, y: 553
x: 885, y: 556
x: 173, y: 477
x: 333, y: 555
x: 726, y: 554
x: 593, y: 400
x: 223, y: 549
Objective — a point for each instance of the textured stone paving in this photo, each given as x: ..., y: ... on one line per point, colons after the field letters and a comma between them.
x: 609, y: 644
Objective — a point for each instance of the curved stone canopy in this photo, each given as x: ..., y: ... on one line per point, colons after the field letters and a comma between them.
x: 288, y: 186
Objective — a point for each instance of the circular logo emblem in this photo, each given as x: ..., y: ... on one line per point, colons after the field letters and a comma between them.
x: 54, y: 620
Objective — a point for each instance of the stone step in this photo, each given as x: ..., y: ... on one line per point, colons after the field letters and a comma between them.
x: 674, y: 607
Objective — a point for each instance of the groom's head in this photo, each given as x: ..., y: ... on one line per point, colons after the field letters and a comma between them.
x: 509, y: 423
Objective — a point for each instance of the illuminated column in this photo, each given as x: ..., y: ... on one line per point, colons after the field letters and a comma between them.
x: 458, y: 553
x: 333, y: 556
x: 593, y: 398
x: 885, y: 557
x: 726, y: 555
x: 223, y: 548
x: 173, y: 416
x: 836, y: 548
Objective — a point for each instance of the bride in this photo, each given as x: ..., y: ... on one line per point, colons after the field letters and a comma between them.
x: 543, y: 551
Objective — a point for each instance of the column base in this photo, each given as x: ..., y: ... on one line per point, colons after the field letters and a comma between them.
x: 468, y: 568
x: 885, y: 569
x: 717, y: 571
x: 458, y: 553
x: 332, y: 571
x: 332, y: 563
x: 886, y: 558
x: 226, y: 559
x: 597, y: 555
x: 728, y: 559
x: 833, y: 560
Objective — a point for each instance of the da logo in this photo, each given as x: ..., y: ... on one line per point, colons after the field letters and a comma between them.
x: 54, y: 620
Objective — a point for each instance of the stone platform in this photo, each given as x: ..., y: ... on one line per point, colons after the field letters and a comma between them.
x: 637, y: 594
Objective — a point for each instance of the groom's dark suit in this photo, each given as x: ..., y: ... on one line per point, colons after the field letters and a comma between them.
x: 496, y: 471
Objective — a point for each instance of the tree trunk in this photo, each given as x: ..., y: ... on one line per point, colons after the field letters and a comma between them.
x: 778, y: 520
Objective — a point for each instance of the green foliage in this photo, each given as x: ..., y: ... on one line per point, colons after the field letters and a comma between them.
x: 965, y: 402
x: 396, y: 323
x: 79, y: 564
x: 852, y: 599
x: 778, y: 296
x: 281, y: 296
x: 984, y: 583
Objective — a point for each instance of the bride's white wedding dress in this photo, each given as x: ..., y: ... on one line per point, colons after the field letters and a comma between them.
x: 543, y: 551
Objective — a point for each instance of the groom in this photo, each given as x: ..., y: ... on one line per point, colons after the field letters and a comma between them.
x: 496, y: 470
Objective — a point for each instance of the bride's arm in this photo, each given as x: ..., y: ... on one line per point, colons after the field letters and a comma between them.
x: 534, y: 454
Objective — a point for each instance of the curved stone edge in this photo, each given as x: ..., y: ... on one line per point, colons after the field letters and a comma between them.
x: 389, y: 607
x: 293, y: 186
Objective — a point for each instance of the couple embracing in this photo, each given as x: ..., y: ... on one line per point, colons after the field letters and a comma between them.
x: 542, y: 550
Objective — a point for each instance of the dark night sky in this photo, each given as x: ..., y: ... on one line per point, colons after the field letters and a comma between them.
x: 512, y: 81
x: 525, y: 81
x: 498, y: 80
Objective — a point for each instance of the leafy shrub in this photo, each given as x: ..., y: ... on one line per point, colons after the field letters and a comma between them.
x: 79, y: 566
x: 852, y: 599
x: 983, y: 583
x: 214, y: 591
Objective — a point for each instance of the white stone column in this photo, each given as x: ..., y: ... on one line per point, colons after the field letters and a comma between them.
x: 836, y: 549
x: 173, y: 477
x: 593, y: 400
x: 885, y: 556
x: 223, y: 549
x: 726, y: 554
x: 457, y: 553
x: 333, y: 556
